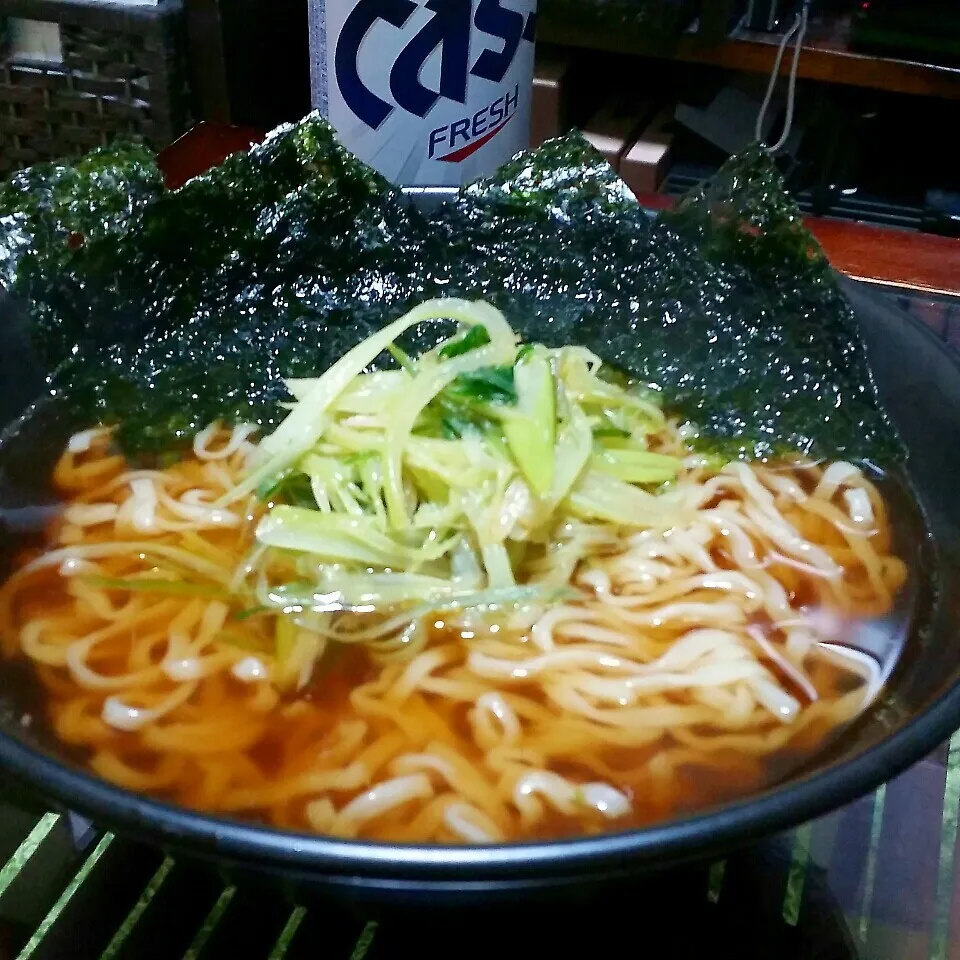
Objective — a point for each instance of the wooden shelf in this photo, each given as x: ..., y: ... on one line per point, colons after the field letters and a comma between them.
x: 826, y: 56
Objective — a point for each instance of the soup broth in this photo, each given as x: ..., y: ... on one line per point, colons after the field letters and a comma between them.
x: 500, y: 724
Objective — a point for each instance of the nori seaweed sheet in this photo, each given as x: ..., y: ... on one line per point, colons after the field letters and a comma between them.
x: 197, y: 303
x: 47, y: 210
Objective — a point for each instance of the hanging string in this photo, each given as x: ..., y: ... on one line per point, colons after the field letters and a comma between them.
x: 798, y: 33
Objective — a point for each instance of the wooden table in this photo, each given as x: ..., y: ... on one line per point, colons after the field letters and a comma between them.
x: 827, y: 56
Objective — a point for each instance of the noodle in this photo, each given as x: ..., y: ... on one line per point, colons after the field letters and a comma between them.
x: 359, y: 627
x: 682, y: 649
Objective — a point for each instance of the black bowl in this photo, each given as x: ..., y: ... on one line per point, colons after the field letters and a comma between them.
x: 919, y: 380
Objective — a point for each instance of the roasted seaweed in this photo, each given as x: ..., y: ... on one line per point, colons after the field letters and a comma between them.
x: 48, y: 211
x: 727, y: 303
x: 274, y: 263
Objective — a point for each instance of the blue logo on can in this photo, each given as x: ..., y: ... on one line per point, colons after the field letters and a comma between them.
x: 448, y: 31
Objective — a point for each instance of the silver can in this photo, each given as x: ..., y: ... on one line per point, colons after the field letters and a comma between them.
x: 428, y: 92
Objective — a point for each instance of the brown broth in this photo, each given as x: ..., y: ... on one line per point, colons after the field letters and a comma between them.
x: 290, y: 739
x: 284, y: 741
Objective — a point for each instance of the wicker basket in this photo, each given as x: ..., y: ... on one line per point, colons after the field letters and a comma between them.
x: 123, y: 76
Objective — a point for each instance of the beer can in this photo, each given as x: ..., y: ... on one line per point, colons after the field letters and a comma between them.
x: 428, y: 92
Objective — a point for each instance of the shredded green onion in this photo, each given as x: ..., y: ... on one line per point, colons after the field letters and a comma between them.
x: 155, y: 585
x: 403, y: 492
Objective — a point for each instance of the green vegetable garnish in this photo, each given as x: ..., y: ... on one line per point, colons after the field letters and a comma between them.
x: 402, y: 358
x: 250, y: 612
x: 288, y: 486
x: 532, y: 433
x: 636, y: 466
x: 475, y: 337
x: 156, y: 585
x: 438, y: 495
x: 486, y: 385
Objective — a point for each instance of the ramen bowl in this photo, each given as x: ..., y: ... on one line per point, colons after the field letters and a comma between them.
x: 918, y: 708
x: 290, y: 259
